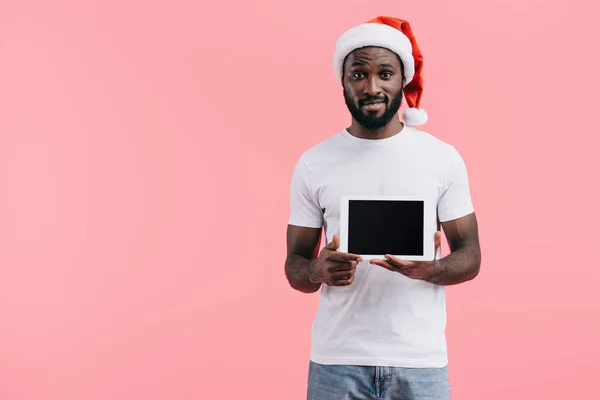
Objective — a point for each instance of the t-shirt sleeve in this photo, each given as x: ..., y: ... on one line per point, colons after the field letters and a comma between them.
x: 455, y: 202
x: 304, y: 207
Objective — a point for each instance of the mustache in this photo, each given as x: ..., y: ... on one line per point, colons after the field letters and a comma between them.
x: 371, y: 99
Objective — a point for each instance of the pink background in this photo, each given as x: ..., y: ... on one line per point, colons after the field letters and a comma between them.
x: 145, y: 156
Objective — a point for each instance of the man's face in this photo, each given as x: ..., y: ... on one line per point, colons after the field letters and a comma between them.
x: 373, y: 82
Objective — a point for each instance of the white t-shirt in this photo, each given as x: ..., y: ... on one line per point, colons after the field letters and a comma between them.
x: 383, y: 318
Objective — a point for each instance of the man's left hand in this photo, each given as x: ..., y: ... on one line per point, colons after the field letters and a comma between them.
x: 413, y: 269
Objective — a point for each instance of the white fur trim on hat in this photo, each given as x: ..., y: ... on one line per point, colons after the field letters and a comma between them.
x: 374, y: 34
x: 414, y: 116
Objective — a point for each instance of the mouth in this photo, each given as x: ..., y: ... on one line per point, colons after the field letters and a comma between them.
x: 373, y: 106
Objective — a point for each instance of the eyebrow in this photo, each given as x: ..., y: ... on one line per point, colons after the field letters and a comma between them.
x: 362, y: 63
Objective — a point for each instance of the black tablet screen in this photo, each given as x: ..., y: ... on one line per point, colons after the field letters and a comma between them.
x: 385, y: 227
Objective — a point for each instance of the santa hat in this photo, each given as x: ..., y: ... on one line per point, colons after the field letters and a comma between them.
x: 395, y: 35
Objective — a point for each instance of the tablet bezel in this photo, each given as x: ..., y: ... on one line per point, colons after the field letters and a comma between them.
x: 430, y: 226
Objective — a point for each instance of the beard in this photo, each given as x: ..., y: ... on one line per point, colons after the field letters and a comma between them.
x: 369, y: 121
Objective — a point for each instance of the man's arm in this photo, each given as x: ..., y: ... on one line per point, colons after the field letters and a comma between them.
x: 464, y: 260
x: 302, y: 249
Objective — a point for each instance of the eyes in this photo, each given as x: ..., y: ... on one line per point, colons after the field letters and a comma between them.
x: 385, y: 75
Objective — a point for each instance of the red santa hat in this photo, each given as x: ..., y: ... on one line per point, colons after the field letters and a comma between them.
x: 395, y: 35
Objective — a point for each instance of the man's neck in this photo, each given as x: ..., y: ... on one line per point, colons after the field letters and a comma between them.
x: 391, y: 129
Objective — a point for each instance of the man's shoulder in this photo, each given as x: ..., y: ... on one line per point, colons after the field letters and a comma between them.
x: 429, y: 140
x: 321, y: 150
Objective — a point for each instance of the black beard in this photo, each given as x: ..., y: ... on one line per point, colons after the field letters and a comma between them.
x: 373, y: 122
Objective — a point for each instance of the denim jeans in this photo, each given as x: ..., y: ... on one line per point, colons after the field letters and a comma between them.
x: 342, y: 382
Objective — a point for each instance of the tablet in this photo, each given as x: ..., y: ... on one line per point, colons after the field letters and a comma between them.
x: 373, y: 226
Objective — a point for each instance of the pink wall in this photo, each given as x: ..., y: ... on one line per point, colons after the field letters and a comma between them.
x: 145, y: 156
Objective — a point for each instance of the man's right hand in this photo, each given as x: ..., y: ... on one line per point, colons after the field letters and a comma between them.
x: 332, y: 267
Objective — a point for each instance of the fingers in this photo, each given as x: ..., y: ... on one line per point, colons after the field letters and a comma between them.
x: 394, y: 264
x: 334, y: 244
x: 342, y: 278
x: 342, y: 274
x: 385, y: 264
x: 337, y: 256
x: 414, y: 270
x: 343, y: 257
x: 342, y: 266
x: 398, y: 262
x: 345, y: 281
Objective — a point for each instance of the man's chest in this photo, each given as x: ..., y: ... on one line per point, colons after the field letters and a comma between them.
x: 396, y: 176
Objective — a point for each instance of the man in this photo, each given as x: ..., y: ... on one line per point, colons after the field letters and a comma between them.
x: 379, y: 332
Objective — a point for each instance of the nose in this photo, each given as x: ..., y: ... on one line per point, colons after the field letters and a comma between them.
x: 372, y: 87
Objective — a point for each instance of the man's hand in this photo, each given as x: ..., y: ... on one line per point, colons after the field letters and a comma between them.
x: 332, y: 267
x: 413, y: 269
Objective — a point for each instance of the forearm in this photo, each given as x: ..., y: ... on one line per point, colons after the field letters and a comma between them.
x: 298, y: 272
x: 457, y: 267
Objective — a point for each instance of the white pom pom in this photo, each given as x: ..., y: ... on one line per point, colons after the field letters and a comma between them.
x: 414, y: 116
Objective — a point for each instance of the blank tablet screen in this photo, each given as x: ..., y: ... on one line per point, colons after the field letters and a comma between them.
x: 385, y: 227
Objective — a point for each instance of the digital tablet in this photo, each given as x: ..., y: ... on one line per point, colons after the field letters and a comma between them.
x: 373, y: 226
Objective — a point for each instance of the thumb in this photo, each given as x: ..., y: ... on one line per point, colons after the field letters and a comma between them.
x: 335, y: 243
x: 437, y: 240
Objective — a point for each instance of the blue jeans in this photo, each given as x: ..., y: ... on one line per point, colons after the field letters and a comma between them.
x: 342, y: 382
